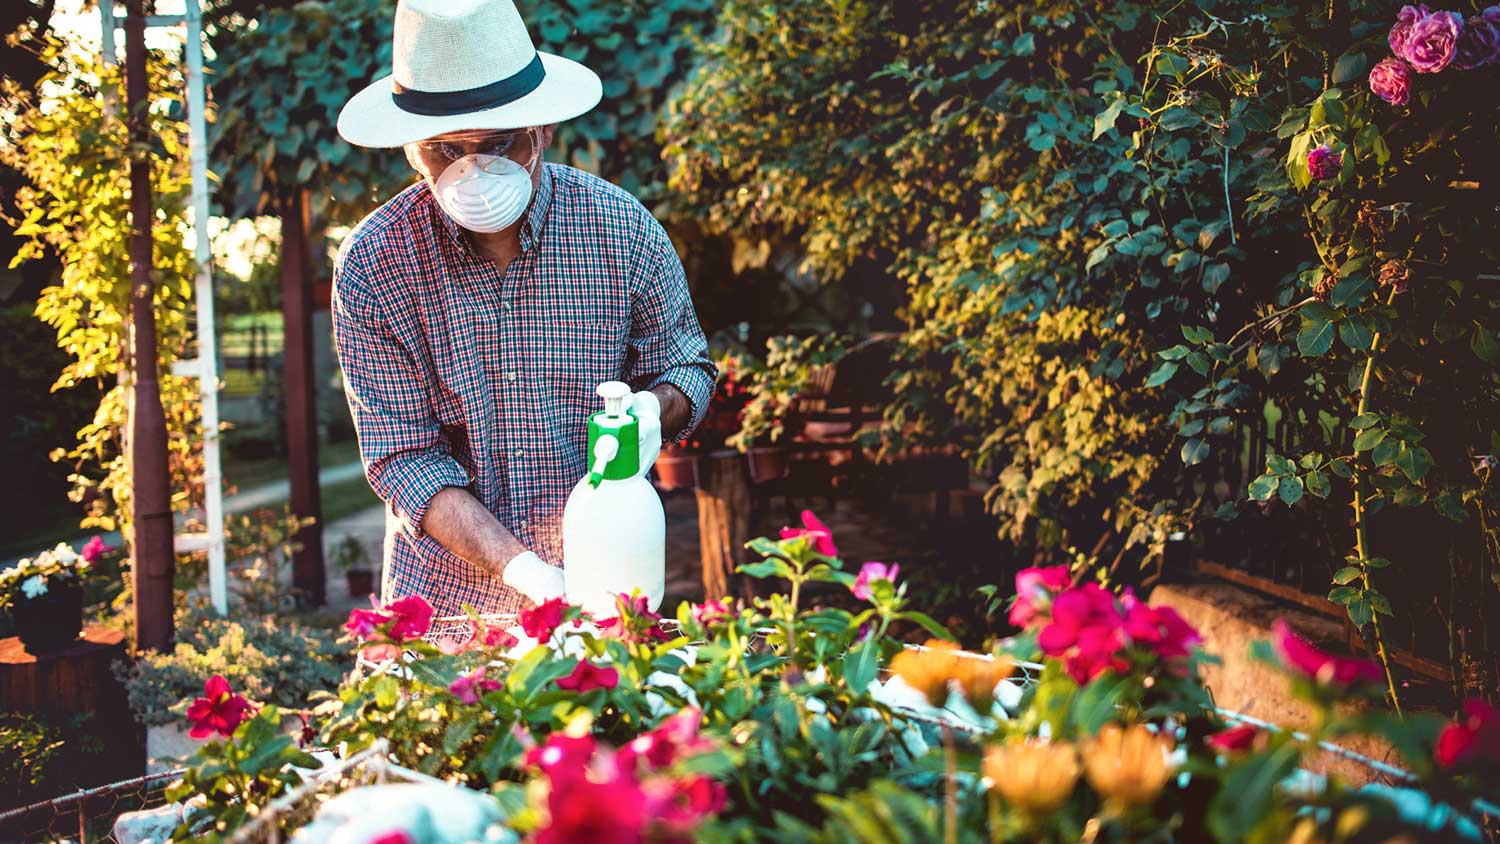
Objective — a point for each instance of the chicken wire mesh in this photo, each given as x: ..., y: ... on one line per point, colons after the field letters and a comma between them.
x: 86, y: 816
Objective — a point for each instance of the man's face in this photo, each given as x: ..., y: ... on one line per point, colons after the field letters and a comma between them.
x: 432, y: 156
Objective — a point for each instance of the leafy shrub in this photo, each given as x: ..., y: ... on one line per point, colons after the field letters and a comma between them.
x: 270, y: 659
x: 42, y: 758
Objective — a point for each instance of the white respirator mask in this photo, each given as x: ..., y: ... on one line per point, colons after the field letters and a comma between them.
x: 485, y: 193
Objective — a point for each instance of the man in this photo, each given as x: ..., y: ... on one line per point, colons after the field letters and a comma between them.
x: 477, y: 311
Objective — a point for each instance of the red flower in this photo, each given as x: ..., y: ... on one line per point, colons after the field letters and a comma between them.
x: 673, y: 739
x: 1474, y: 737
x: 870, y: 573
x: 218, y: 711
x: 468, y: 687
x: 412, y: 617
x: 1234, y: 739
x: 587, y: 677
x: 607, y: 807
x: 635, y: 622
x: 675, y: 807
x: 817, y: 533
x: 494, y: 637
x: 94, y: 549
x: 562, y: 756
x: 1159, y: 628
x: 395, y: 836
x: 1085, y: 633
x: 540, y: 621
x: 1322, y: 668
x: 1034, y: 590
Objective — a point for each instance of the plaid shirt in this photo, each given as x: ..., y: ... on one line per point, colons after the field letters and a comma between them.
x: 460, y: 376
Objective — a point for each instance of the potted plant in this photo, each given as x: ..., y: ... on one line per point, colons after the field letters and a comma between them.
x: 45, y: 595
x: 349, y: 557
x: 678, y: 465
x: 772, y: 416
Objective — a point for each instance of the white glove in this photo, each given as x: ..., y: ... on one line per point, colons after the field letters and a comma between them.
x: 531, y: 576
x: 647, y: 409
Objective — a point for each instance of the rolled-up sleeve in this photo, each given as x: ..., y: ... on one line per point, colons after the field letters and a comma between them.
x: 667, y: 344
x: 407, y: 459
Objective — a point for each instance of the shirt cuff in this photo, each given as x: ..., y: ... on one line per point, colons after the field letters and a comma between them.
x: 415, y: 479
x: 695, y: 382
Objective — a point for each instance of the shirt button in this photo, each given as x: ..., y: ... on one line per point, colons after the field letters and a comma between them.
x: 506, y: 306
x: 510, y: 376
x: 519, y: 451
x: 523, y: 523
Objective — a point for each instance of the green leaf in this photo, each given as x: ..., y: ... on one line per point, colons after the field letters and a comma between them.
x: 1343, y: 594
x: 1350, y: 291
x: 1485, y: 345
x: 1414, y: 463
x: 1356, y: 334
x: 1195, y: 451
x: 1378, y: 602
x: 927, y: 623
x: 1199, y: 362
x: 1290, y: 490
x: 1280, y: 465
x: 1215, y: 275
x: 1177, y: 352
x: 1263, y: 487
x: 1350, y: 67
x: 1368, y: 439
x: 1317, y: 484
x: 1162, y: 375
x: 1315, y: 338
x: 1341, y: 468
x: 1105, y: 120
x: 861, y: 664
x: 1346, y: 575
x: 1364, y: 420
x: 1360, y: 612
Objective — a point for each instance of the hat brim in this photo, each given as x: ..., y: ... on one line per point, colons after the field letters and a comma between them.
x: 371, y: 118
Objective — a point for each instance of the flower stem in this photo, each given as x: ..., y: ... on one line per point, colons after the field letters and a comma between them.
x: 1361, y: 519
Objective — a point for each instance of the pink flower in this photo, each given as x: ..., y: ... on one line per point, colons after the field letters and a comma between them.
x: 1400, y: 34
x: 468, y: 687
x: 494, y: 637
x: 363, y: 624
x: 395, y: 836
x: 675, y: 807
x: 1479, y: 43
x: 1085, y: 633
x: 412, y: 617
x: 606, y: 807
x: 562, y: 756
x: 1160, y: 629
x: 635, y: 622
x: 1390, y: 80
x: 710, y: 613
x: 94, y: 549
x: 816, y: 532
x: 218, y: 711
x: 1234, y: 739
x: 1475, y: 737
x: 673, y: 739
x: 1432, y: 41
x: 870, y: 574
x: 1034, y: 590
x: 1322, y: 668
x: 1323, y: 163
x: 542, y: 620
x: 588, y: 676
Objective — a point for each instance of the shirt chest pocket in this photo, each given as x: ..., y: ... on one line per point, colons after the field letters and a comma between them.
x: 579, y: 354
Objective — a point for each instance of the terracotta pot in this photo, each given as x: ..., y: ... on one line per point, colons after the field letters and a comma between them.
x: 361, y: 582
x: 676, y: 470
x: 49, y: 622
x: 768, y: 464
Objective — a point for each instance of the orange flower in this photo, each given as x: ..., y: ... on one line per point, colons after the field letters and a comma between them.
x: 1033, y: 776
x: 1128, y: 766
x: 977, y: 679
x: 936, y: 669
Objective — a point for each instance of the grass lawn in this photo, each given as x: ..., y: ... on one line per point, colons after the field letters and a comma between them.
x: 347, y: 498
x: 247, y: 474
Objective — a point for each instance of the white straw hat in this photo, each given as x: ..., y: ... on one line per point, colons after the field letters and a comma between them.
x: 465, y: 64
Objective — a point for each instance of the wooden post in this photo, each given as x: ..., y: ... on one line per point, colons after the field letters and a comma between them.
x: 151, y: 504
x: 723, y: 523
x: 300, y: 383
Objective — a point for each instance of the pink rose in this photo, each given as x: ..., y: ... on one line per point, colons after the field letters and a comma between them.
x: 869, y: 575
x: 1322, y: 668
x: 1390, y: 80
x: 1034, y: 590
x: 817, y: 533
x: 1476, y: 736
x: 94, y: 549
x: 1432, y: 42
x: 1323, y: 163
x: 1400, y: 34
x: 362, y: 624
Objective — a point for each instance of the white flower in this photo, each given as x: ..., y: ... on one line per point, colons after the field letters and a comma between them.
x: 64, y: 553
x: 34, y: 586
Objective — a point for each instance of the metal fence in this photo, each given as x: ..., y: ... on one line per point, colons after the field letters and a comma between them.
x: 86, y: 816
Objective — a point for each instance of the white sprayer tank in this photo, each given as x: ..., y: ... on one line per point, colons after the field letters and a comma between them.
x: 614, y: 530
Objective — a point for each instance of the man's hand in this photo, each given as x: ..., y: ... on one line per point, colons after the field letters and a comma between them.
x: 647, y: 408
x: 532, y: 577
x: 676, y: 409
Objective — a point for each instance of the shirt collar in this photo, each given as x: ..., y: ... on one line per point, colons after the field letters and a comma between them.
x: 531, y: 225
